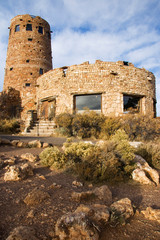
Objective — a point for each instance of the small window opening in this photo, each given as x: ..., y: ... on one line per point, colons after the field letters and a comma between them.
x: 131, y: 104
x: 27, y: 84
x: 87, y: 101
x: 41, y: 71
x: 11, y: 68
x: 29, y: 27
x: 49, y: 35
x: 21, y: 19
x: 27, y: 60
x: 65, y: 72
x: 31, y: 73
x: 154, y: 108
x: 17, y: 28
x: 126, y: 63
x: 40, y: 29
x: 30, y: 39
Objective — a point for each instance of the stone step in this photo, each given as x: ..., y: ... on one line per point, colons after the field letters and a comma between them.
x: 41, y: 128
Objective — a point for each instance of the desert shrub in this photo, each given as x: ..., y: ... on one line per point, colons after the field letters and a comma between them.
x: 76, y: 151
x: 123, y: 148
x: 100, y: 165
x: 52, y: 157
x: 109, y: 127
x: 109, y: 162
x: 139, y: 127
x: 87, y: 124
x: 89, y: 161
x: 9, y: 126
x: 151, y: 153
x: 64, y: 123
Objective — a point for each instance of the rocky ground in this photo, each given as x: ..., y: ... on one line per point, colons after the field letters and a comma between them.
x: 55, y: 199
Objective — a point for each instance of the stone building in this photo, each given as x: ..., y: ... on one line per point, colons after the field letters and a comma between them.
x: 111, y: 88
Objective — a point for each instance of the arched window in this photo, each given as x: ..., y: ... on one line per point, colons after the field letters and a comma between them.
x: 17, y: 28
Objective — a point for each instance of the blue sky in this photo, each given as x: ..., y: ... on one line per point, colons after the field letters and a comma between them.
x: 86, y: 30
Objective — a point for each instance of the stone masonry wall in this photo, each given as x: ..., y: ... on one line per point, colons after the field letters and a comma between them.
x: 111, y: 79
x: 29, y: 50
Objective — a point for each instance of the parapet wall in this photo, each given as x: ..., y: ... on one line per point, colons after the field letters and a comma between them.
x: 112, y: 80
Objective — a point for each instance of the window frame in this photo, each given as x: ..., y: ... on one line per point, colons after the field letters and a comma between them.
x: 132, y: 109
x: 99, y: 110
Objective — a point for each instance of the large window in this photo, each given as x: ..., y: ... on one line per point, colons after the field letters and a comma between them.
x: 29, y: 27
x: 131, y: 104
x: 87, y: 101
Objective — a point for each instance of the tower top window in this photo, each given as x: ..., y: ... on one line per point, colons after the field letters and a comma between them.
x: 17, y: 28
x: 41, y: 71
x: 40, y: 29
x: 29, y: 27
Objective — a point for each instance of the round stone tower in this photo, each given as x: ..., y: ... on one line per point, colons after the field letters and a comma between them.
x: 28, y: 57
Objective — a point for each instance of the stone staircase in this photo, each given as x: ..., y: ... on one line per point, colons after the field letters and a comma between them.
x: 41, y: 128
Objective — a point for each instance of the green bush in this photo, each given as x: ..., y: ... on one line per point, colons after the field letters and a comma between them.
x: 123, y: 148
x: 9, y: 126
x: 100, y: 165
x: 52, y: 157
x: 140, y: 128
x: 64, y: 123
x: 151, y: 153
x: 109, y: 127
x: 76, y: 151
x: 87, y: 125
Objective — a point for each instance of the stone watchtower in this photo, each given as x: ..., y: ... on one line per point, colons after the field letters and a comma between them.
x: 28, y: 57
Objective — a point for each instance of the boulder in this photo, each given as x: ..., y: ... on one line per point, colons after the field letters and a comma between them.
x: 13, y: 174
x: 143, y: 169
x: 23, y: 233
x: 14, y: 142
x: 10, y: 161
x: 76, y: 226
x: 140, y: 176
x: 5, y: 141
x: 26, y: 170
x: 97, y: 213
x: 83, y: 196
x: 35, y: 144
x: 152, y: 214
x: 22, y: 144
x: 16, y: 173
x: 77, y: 184
x: 30, y: 157
x: 45, y: 145
x: 100, y: 193
x: 121, y: 210
x: 36, y: 196
x: 104, y: 194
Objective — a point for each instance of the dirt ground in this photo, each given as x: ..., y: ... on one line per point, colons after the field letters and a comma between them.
x: 14, y: 212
